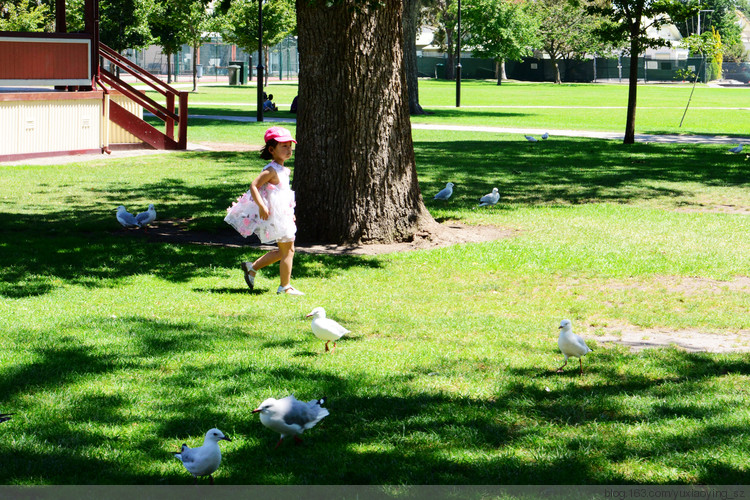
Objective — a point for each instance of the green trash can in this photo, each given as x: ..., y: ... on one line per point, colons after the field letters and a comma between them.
x: 234, y: 74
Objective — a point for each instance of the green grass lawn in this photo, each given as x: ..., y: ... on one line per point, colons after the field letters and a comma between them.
x: 117, y: 347
x: 600, y: 107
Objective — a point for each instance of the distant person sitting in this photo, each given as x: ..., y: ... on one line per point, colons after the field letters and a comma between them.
x: 269, y: 105
x: 293, y: 109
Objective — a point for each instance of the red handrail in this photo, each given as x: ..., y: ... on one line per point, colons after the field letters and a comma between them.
x: 165, y: 113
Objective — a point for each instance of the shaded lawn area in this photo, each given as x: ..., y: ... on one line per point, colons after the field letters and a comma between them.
x: 118, y: 347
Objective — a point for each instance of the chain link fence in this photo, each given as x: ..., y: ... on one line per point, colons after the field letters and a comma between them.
x: 591, y: 70
x: 215, y: 57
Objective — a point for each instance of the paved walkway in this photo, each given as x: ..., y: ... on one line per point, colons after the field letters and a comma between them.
x: 673, y: 138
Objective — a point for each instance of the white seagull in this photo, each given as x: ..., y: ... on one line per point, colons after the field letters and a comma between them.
x: 445, y: 193
x: 290, y: 417
x: 4, y: 417
x: 489, y: 199
x: 326, y: 328
x: 736, y: 149
x: 204, y: 460
x: 571, y: 345
x: 530, y: 138
x: 545, y: 136
x: 126, y: 218
x: 147, y: 217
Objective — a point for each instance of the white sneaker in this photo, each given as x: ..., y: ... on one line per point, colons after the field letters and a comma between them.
x: 289, y: 290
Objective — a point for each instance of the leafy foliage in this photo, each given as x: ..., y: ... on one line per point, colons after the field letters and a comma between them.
x: 499, y: 29
x: 240, y: 23
x: 23, y: 15
x: 567, y: 31
x: 123, y: 24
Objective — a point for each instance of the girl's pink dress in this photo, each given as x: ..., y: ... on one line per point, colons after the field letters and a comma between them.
x: 243, y: 215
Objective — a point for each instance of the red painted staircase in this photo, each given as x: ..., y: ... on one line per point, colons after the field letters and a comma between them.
x: 135, y: 124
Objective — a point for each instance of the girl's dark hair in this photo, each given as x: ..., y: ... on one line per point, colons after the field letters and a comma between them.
x: 265, y: 153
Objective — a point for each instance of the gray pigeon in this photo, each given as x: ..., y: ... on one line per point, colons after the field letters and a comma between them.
x: 571, y: 344
x: 545, y: 136
x: 147, y: 217
x: 445, y: 193
x: 736, y: 149
x: 489, y: 199
x: 290, y: 417
x: 126, y: 218
x: 204, y: 460
x: 531, y: 138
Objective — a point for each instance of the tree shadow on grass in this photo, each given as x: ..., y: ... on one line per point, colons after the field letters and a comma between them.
x: 379, y: 431
x: 34, y: 262
x: 570, y: 171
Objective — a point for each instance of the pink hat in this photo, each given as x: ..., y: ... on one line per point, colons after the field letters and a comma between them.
x: 280, y: 134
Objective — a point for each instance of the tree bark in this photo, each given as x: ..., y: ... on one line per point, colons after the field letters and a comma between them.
x: 500, y: 71
x: 556, y: 66
x: 450, y: 60
x: 195, y: 67
x: 410, y: 20
x: 632, y: 85
x: 354, y: 171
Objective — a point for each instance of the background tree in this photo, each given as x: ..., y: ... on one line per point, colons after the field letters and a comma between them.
x: 627, y: 21
x: 566, y: 31
x: 123, y: 24
x: 501, y: 30
x: 169, y: 21
x: 22, y: 15
x: 443, y: 14
x: 354, y: 168
x: 411, y: 27
x: 199, y: 25
x: 707, y: 44
x: 719, y: 15
x: 239, y: 25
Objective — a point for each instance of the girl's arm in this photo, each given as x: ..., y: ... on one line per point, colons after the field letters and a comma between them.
x: 268, y: 175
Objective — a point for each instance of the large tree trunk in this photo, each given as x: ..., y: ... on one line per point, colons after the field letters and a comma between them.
x: 354, y: 170
x: 410, y: 21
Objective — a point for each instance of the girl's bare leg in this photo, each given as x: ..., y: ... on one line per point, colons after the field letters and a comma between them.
x: 267, y: 259
x: 286, y: 258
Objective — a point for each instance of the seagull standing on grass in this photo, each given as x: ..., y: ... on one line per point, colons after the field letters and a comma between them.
x: 571, y: 345
x: 736, y: 149
x: 290, y: 417
x: 147, y: 217
x: 545, y: 136
x: 326, y: 328
x: 531, y: 138
x: 490, y: 199
x: 126, y: 218
x: 445, y: 193
x: 4, y: 417
x: 204, y: 460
